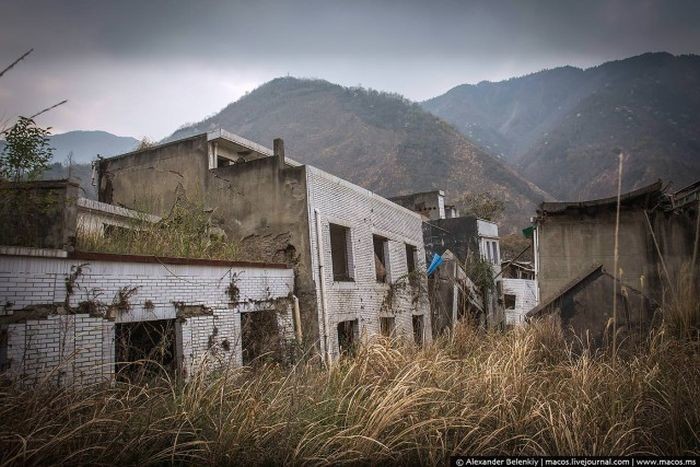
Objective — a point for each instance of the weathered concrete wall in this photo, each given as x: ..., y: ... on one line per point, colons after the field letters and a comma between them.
x: 150, y: 180
x: 569, y: 244
x: 430, y: 204
x: 364, y: 299
x: 83, y: 343
x: 40, y: 214
x: 262, y: 205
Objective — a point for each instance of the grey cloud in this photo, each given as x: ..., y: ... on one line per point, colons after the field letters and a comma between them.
x: 106, y: 56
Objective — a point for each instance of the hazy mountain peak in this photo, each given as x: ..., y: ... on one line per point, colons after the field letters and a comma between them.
x: 559, y: 126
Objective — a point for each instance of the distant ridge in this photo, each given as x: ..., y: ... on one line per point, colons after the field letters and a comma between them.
x: 379, y: 141
x: 560, y: 127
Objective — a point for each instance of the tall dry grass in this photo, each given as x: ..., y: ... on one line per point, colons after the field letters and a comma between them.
x: 524, y: 392
x: 186, y: 232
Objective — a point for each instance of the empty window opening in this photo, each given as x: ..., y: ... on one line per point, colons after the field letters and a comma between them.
x: 411, y: 253
x: 494, y: 247
x: 347, y: 337
x: 387, y: 326
x: 381, y: 247
x: 411, y: 260
x: 340, y: 252
x: 260, y: 338
x: 145, y: 349
x: 509, y: 301
x: 223, y: 162
x: 4, y: 363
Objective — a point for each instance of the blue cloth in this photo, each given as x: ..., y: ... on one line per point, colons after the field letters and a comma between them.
x: 437, y: 261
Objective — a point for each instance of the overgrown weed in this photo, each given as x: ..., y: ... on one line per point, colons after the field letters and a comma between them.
x: 478, y: 392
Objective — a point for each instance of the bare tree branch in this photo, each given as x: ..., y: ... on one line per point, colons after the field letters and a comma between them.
x: 16, y: 62
x: 49, y: 108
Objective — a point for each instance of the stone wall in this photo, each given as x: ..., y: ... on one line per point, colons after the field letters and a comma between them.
x: 61, y: 312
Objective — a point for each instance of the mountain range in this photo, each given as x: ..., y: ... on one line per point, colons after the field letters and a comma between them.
x: 379, y: 141
x: 86, y: 145
x: 551, y: 134
x: 562, y: 128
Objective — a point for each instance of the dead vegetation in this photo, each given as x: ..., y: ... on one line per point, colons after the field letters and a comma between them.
x: 187, y: 232
x: 524, y: 392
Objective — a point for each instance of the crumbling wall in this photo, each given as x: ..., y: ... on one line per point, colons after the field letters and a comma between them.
x: 80, y: 299
x: 151, y: 179
x: 525, y: 292
x: 40, y: 214
x: 262, y: 205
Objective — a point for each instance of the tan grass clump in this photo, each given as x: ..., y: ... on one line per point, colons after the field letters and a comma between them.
x: 474, y: 392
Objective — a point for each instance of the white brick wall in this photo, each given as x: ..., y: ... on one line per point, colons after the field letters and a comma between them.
x: 525, y: 292
x: 365, y: 213
x: 83, y: 346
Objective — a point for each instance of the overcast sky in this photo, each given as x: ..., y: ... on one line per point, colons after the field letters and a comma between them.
x: 143, y: 68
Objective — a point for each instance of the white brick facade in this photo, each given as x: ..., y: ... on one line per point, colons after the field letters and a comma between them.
x: 525, y: 291
x: 337, y: 201
x: 83, y: 346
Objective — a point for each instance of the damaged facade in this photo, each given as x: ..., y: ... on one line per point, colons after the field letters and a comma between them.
x: 356, y: 256
x: 75, y: 318
x: 469, y: 247
x: 72, y: 317
x: 658, y: 241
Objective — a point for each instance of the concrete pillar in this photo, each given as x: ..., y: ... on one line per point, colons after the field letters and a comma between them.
x: 278, y: 150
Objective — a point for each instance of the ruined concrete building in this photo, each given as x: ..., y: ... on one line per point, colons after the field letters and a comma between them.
x: 574, y: 249
x: 471, y: 243
x: 76, y: 317
x: 357, y: 257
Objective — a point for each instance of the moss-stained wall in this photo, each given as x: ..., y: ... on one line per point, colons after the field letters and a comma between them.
x: 40, y: 214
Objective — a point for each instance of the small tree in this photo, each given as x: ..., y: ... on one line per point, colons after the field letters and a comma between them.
x: 483, y: 205
x: 27, y: 153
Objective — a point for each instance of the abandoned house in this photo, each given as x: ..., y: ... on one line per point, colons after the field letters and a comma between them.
x: 76, y: 317
x: 519, y: 290
x: 658, y: 238
x: 358, y: 258
x: 472, y: 243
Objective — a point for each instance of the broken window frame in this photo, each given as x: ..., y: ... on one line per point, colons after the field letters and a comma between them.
x: 341, y: 252
x: 380, y: 246
x: 412, y: 264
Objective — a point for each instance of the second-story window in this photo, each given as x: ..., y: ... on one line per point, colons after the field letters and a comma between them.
x: 381, y: 254
x: 341, y: 250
